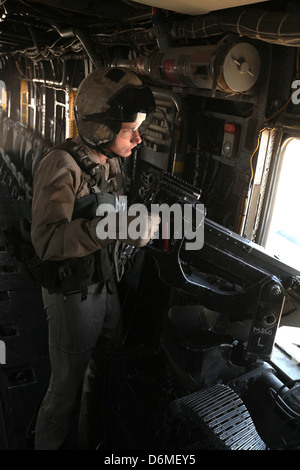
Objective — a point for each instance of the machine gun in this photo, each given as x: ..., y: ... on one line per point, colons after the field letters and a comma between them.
x: 229, y: 273
x: 212, y: 368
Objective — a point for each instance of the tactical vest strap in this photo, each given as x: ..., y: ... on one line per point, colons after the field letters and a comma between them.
x: 80, y: 156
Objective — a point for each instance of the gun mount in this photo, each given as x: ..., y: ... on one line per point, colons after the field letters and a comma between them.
x: 229, y: 273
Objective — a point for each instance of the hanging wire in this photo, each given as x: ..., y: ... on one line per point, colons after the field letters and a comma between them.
x: 253, y: 154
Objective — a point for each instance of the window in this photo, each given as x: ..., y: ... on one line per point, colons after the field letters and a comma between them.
x: 2, y: 95
x: 283, y: 241
x: 283, y: 236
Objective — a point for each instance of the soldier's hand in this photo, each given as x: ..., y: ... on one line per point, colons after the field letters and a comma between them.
x: 135, y: 229
x: 147, y: 228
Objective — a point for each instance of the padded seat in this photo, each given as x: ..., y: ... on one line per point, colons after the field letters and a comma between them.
x: 21, y: 152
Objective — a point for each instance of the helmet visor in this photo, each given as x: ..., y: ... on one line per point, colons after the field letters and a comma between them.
x: 125, y: 106
x: 142, y: 122
x: 132, y: 100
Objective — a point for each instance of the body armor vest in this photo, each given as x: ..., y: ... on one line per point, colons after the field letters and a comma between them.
x: 74, y: 274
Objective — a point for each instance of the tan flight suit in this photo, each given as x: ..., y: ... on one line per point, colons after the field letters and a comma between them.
x: 74, y: 325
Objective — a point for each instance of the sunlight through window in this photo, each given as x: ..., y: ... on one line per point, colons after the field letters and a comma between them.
x: 283, y: 238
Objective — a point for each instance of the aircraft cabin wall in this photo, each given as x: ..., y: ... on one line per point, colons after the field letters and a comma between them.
x: 225, y: 106
x: 203, y: 131
x: 208, y: 141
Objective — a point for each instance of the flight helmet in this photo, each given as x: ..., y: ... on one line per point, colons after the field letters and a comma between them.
x: 105, y: 99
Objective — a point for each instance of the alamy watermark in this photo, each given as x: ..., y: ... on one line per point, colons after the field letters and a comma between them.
x: 177, y: 221
x: 2, y: 352
x: 296, y: 93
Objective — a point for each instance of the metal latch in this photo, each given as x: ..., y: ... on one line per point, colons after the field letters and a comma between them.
x: 64, y: 272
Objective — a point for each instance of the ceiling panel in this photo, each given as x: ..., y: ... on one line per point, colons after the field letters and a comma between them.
x: 194, y: 7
